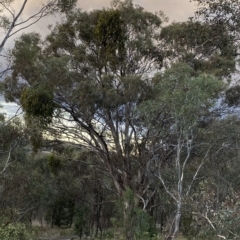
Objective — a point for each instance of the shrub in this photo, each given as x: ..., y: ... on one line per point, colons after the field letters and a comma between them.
x: 15, y: 232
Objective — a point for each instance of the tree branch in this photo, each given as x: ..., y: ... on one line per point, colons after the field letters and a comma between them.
x: 12, y: 25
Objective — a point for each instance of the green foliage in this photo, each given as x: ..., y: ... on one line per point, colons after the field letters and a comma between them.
x: 222, y: 13
x: 233, y: 96
x: 54, y: 163
x: 215, y: 221
x: 4, y: 22
x: 9, y: 133
x: 66, y: 5
x: 15, y: 232
x: 227, y: 218
x: 135, y: 221
x: 182, y: 95
x: 61, y: 212
x: 34, y: 128
x: 80, y: 221
x: 109, y: 31
x: 187, y: 222
x: 25, y: 54
x: 220, y: 65
x: 38, y: 102
x: 144, y: 227
x: 72, y: 56
x: 205, y: 47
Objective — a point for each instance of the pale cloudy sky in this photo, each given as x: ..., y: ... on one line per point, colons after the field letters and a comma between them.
x: 176, y: 10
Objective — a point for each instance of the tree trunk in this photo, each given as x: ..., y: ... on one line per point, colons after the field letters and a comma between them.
x: 176, y: 224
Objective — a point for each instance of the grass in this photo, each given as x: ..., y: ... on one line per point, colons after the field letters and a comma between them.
x: 52, y: 232
x: 107, y: 235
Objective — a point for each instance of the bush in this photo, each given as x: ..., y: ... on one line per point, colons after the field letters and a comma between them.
x: 81, y: 222
x: 15, y: 232
x: 138, y: 223
x: 233, y: 96
x: 61, y: 212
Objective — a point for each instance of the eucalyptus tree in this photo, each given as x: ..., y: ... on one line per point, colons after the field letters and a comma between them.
x: 183, y: 98
x: 84, y: 83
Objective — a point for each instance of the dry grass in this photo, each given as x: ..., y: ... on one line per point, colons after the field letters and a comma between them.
x: 48, y: 232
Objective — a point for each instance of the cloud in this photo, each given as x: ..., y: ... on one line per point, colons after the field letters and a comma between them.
x: 178, y: 10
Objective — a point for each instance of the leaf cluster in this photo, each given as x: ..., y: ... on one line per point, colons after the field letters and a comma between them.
x: 38, y: 102
x: 205, y: 47
x: 182, y: 96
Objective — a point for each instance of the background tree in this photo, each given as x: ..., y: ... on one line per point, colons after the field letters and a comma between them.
x: 182, y: 99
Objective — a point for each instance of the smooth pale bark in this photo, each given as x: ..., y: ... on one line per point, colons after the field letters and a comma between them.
x: 177, y: 221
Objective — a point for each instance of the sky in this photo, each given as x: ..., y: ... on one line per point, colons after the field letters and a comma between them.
x: 178, y: 10
x: 175, y: 10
